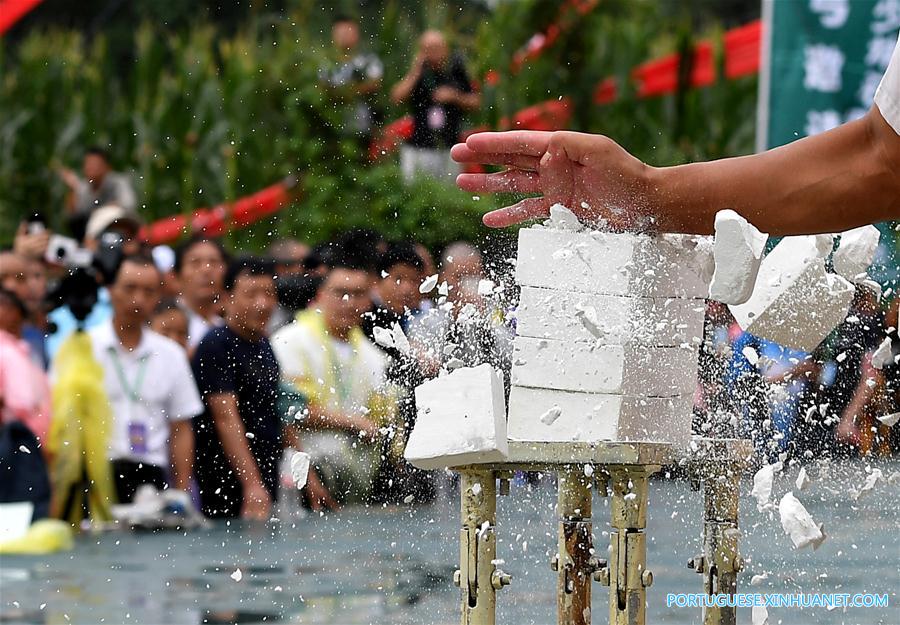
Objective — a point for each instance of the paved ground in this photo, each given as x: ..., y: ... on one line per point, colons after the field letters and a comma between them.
x: 395, y: 565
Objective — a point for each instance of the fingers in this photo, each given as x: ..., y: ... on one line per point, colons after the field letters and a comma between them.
x: 513, y: 180
x: 525, y: 142
x: 462, y: 153
x: 528, y: 208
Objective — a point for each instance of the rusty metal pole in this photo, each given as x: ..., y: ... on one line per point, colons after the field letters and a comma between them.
x: 575, y: 551
x: 477, y: 576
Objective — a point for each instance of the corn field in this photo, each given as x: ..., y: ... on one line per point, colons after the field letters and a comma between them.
x: 198, y: 117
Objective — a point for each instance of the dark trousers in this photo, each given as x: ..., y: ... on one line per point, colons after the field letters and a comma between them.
x: 128, y: 475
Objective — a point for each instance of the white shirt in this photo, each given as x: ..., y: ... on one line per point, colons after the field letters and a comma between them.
x: 357, y: 372
x: 198, y: 326
x: 147, y: 388
x: 887, y: 98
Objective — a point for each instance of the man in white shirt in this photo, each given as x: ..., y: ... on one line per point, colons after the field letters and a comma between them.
x: 830, y: 182
x: 149, y: 384
x: 326, y: 357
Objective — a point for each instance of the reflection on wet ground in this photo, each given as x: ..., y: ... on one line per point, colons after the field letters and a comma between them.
x: 394, y: 565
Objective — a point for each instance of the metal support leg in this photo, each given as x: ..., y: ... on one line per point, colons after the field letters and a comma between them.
x: 719, y: 469
x: 478, y: 577
x: 573, y: 562
x: 627, y: 575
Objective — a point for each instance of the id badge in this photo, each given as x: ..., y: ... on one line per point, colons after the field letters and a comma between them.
x: 436, y: 117
x: 137, y: 437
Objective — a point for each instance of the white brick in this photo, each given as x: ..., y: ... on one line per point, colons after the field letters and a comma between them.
x: 615, y: 369
x: 795, y: 302
x: 461, y: 420
x: 855, y: 252
x: 614, y: 263
x: 589, y: 417
x: 554, y: 314
x: 738, y: 250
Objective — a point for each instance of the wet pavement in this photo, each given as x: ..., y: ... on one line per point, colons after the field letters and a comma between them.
x: 394, y: 565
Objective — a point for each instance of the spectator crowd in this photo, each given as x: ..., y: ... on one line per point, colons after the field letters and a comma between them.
x: 203, y: 369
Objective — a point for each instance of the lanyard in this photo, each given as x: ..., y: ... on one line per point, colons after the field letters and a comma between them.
x: 133, y: 392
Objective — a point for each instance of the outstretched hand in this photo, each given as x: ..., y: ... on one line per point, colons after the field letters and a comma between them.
x: 590, y: 174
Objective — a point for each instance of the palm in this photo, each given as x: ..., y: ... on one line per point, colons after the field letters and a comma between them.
x: 591, y: 175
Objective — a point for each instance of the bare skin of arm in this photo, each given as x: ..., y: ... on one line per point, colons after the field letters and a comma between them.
x: 400, y: 92
x: 322, y: 418
x: 840, y: 179
x: 181, y: 450
x: 230, y: 428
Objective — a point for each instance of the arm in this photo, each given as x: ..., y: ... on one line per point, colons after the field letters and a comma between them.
x: 322, y: 418
x: 181, y: 450
x: 402, y: 90
x: 826, y: 183
x: 466, y: 100
x: 230, y: 428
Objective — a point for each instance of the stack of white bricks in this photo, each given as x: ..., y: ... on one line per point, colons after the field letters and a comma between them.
x: 608, y: 333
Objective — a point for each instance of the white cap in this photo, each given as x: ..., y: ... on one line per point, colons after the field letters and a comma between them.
x: 105, y: 216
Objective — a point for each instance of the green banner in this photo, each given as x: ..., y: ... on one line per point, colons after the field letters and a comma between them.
x: 821, y: 63
x: 823, y: 60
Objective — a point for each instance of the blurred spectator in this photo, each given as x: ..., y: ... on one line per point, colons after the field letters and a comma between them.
x: 439, y: 92
x: 325, y: 356
x: 24, y: 389
x: 100, y: 185
x: 239, y: 441
x: 353, y: 79
x: 877, y: 393
x: 397, y: 297
x: 469, y: 328
x: 398, y: 300
x: 170, y: 320
x: 200, y: 265
x: 288, y: 255
x: 148, y: 381
x: 16, y: 277
x: 35, y: 330
x: 111, y: 233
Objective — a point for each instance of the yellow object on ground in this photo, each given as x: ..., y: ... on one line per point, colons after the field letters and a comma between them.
x: 79, y: 435
x: 44, y: 536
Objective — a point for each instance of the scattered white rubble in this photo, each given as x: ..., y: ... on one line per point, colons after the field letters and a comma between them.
x: 485, y: 287
x: 738, y: 250
x: 443, y: 289
x: 872, y: 480
x: 392, y: 338
x: 798, y: 523
x: 428, y: 284
x: 551, y: 415
x: 24, y: 449
x: 756, y: 580
x: 561, y: 218
x: 299, y: 468
x: 890, y: 420
x: 408, y: 499
x: 855, y: 252
x: 759, y: 615
x: 802, y: 479
x: 795, y: 303
x: 237, y: 575
x: 882, y: 356
x: 461, y: 420
x: 762, y: 485
x: 750, y: 354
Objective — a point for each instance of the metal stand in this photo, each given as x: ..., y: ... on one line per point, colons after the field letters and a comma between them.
x: 623, y: 468
x: 621, y: 471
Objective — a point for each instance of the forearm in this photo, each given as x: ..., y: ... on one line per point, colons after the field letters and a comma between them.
x: 181, y: 449
x: 322, y: 418
x: 402, y: 89
x: 468, y: 101
x: 231, y: 433
x: 831, y: 182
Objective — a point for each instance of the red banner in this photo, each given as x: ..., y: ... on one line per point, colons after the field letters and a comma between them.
x: 11, y: 11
